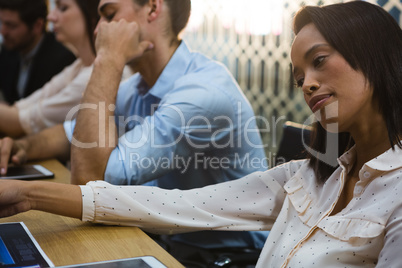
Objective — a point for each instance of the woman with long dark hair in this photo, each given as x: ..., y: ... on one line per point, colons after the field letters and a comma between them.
x: 347, y: 60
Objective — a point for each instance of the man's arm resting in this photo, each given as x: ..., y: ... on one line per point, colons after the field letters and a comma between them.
x: 49, y: 143
x: 117, y: 43
x: 96, y: 126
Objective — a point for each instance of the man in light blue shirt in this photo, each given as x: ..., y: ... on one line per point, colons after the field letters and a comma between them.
x: 180, y: 122
x: 193, y: 128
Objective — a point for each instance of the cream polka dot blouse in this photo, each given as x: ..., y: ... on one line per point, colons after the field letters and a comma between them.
x: 286, y: 200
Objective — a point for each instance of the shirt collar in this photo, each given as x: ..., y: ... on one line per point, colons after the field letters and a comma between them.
x: 387, y: 161
x: 28, y: 57
x: 347, y: 159
x: 176, y: 68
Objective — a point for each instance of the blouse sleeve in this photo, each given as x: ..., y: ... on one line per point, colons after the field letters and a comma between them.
x: 49, y: 106
x: 250, y: 203
x: 391, y: 252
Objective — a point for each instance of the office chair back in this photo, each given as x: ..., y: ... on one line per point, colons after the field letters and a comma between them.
x: 292, y: 146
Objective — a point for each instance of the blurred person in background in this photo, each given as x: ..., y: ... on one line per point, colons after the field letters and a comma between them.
x: 30, y: 56
x: 74, y: 23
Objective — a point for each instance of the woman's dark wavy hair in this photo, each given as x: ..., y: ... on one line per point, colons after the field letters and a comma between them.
x: 89, y: 9
x: 370, y: 40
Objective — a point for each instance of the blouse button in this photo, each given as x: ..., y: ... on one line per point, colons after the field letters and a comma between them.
x: 358, y: 190
x: 366, y: 174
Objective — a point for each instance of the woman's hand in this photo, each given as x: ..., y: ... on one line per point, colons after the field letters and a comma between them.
x: 58, y: 198
x: 14, y: 197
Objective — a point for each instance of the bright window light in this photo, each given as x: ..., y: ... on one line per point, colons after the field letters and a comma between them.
x: 254, y: 17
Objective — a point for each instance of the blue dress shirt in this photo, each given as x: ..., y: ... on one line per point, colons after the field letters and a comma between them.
x: 193, y: 128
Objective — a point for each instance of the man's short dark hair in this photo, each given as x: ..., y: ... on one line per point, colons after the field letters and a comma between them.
x: 29, y: 10
x: 179, y: 13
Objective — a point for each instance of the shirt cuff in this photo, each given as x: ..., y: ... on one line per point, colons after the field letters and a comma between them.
x: 24, y: 115
x: 69, y: 129
x: 88, y: 203
x: 115, y: 169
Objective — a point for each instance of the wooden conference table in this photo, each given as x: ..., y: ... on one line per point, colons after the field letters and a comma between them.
x: 69, y: 241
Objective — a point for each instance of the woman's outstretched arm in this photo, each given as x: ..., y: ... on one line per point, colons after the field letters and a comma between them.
x: 57, y: 198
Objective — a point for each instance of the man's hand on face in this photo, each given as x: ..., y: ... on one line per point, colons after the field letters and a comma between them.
x: 120, y: 42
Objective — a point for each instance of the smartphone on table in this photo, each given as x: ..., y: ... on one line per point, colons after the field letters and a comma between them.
x: 27, y: 172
